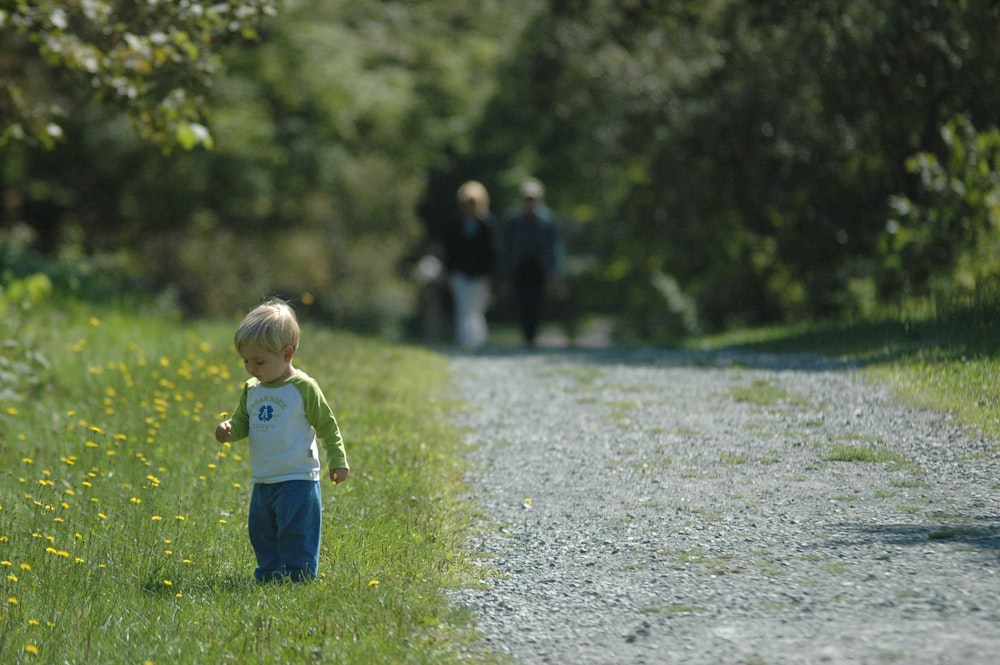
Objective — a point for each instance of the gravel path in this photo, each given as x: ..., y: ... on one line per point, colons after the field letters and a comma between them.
x: 682, y: 507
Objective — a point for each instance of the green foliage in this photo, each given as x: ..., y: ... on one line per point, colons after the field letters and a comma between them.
x: 23, y: 294
x: 122, y: 521
x: 720, y: 163
x: 322, y: 133
x: 31, y: 275
x: 23, y: 368
x: 152, y: 60
x: 947, y: 241
x: 748, y: 152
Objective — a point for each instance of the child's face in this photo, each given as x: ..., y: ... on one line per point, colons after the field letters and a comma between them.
x: 267, y: 366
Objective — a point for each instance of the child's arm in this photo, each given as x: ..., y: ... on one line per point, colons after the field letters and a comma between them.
x: 321, y: 417
x: 238, y: 426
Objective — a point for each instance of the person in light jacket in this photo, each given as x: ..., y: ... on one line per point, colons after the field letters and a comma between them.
x: 470, y: 259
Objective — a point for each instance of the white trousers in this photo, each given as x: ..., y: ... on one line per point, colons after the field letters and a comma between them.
x: 471, y: 296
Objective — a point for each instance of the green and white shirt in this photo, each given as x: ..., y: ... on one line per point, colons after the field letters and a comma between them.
x: 286, y: 422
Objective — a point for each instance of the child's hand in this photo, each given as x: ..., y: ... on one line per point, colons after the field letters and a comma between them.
x: 338, y: 475
x: 223, y: 431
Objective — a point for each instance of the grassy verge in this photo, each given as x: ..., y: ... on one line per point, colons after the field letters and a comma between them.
x: 946, y: 359
x: 122, y: 536
x: 122, y: 522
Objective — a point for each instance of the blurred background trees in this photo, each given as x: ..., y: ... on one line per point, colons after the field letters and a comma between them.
x: 717, y: 163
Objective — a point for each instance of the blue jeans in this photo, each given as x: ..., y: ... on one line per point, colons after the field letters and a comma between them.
x: 285, y: 520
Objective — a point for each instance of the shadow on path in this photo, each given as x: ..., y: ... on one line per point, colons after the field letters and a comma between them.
x: 982, y: 533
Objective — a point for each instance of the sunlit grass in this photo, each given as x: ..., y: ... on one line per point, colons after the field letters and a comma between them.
x: 939, y: 356
x: 122, y: 521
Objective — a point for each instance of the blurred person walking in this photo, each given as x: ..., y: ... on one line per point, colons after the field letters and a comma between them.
x: 471, y: 261
x: 531, y: 256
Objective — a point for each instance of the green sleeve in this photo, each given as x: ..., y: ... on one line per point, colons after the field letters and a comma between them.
x: 321, y: 417
x: 240, y: 420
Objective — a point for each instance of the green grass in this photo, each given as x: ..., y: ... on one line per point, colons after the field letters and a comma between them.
x: 938, y: 356
x: 845, y: 453
x: 122, y: 521
x: 765, y: 393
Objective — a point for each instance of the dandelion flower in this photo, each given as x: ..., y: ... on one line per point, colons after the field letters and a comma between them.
x: 167, y: 583
x: 373, y: 584
x: 32, y: 649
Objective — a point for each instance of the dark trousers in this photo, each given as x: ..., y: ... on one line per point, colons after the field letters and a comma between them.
x: 284, y: 523
x: 529, y: 290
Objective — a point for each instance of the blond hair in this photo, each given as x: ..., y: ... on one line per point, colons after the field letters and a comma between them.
x: 272, y: 326
x: 473, y: 190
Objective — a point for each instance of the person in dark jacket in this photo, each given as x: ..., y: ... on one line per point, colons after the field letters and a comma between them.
x: 470, y: 259
x: 532, y: 256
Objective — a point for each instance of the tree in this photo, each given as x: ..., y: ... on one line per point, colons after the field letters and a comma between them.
x: 154, y: 61
x: 945, y: 240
